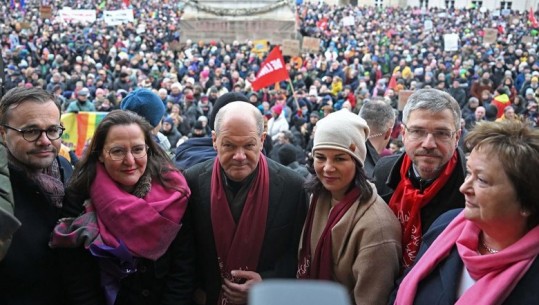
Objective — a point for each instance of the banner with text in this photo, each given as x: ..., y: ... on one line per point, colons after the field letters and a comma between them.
x: 117, y: 17
x: 69, y: 15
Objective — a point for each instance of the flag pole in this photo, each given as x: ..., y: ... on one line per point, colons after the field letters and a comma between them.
x: 293, y: 93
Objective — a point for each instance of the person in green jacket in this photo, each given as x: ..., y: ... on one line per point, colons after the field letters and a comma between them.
x: 8, y: 223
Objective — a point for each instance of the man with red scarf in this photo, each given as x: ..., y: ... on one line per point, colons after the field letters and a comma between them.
x: 423, y: 183
x: 247, y: 211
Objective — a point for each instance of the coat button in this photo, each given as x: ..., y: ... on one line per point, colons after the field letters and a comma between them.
x: 145, y: 293
x: 142, y: 268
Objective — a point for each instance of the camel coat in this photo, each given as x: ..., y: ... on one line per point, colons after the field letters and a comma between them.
x: 366, y: 247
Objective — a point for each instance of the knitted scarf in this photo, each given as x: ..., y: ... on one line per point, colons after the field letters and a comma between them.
x: 147, y: 226
x: 48, y: 180
x: 319, y: 265
x: 407, y: 202
x: 496, y: 274
x: 239, y: 245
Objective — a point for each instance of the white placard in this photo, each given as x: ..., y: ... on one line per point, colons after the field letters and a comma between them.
x: 118, y: 17
x: 451, y: 42
x: 69, y: 15
x: 348, y: 21
x: 428, y: 25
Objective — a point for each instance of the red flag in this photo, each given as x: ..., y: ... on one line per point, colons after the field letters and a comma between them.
x: 531, y: 18
x: 272, y: 70
x: 392, y: 82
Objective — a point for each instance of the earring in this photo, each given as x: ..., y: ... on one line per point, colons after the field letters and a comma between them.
x: 525, y: 213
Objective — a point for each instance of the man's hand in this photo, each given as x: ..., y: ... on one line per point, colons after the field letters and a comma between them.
x: 237, y: 293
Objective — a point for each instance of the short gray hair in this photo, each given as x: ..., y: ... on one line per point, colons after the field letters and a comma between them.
x: 433, y: 100
x: 378, y: 114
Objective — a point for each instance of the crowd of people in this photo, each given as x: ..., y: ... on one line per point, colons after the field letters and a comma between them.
x: 92, y: 66
x: 387, y: 164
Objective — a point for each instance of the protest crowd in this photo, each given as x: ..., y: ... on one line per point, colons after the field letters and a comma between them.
x: 390, y: 67
x: 386, y: 50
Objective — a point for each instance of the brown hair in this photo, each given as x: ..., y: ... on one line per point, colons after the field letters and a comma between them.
x: 85, y: 170
x: 516, y: 145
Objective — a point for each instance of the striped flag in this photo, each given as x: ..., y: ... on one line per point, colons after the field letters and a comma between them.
x: 80, y: 127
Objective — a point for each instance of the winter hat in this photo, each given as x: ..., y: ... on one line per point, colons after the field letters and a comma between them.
x: 169, y: 120
x: 83, y: 92
x: 345, y: 131
x: 223, y: 100
x: 146, y: 104
x: 287, y: 154
x: 278, y: 109
x: 198, y: 125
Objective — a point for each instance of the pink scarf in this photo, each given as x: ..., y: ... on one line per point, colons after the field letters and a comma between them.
x: 147, y: 226
x: 502, y: 270
x: 239, y: 245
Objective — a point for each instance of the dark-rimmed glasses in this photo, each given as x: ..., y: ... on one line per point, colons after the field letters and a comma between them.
x: 32, y: 134
x: 419, y: 134
x: 119, y: 153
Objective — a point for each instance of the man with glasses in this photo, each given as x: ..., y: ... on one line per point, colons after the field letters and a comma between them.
x: 31, y: 131
x: 424, y: 182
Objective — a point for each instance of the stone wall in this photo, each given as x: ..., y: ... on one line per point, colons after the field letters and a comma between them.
x: 238, y: 20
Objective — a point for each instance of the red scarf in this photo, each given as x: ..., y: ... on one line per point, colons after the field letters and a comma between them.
x: 496, y: 274
x: 239, y: 245
x: 147, y: 226
x: 319, y: 266
x: 407, y: 202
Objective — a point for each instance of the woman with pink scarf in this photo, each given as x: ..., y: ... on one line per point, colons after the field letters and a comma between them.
x: 486, y: 253
x: 124, y: 241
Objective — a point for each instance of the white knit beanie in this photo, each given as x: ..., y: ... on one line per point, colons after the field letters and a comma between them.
x: 342, y: 130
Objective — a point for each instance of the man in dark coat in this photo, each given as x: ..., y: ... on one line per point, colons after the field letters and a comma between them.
x: 424, y: 182
x: 30, y: 128
x: 247, y: 211
x: 196, y: 150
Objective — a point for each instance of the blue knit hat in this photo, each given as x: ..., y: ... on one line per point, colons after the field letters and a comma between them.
x: 146, y: 104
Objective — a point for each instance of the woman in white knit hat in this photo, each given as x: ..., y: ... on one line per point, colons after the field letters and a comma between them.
x: 350, y: 235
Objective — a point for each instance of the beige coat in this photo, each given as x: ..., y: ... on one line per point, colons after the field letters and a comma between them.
x: 366, y: 246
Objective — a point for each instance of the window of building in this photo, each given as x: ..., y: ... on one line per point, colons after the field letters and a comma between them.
x: 450, y: 3
x: 506, y: 5
x: 477, y: 4
x: 424, y: 3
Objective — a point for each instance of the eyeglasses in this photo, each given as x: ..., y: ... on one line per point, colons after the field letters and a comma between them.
x: 119, y: 153
x: 416, y: 134
x: 32, y: 134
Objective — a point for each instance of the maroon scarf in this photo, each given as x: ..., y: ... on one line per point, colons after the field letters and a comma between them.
x: 319, y: 265
x: 407, y: 202
x: 239, y: 245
